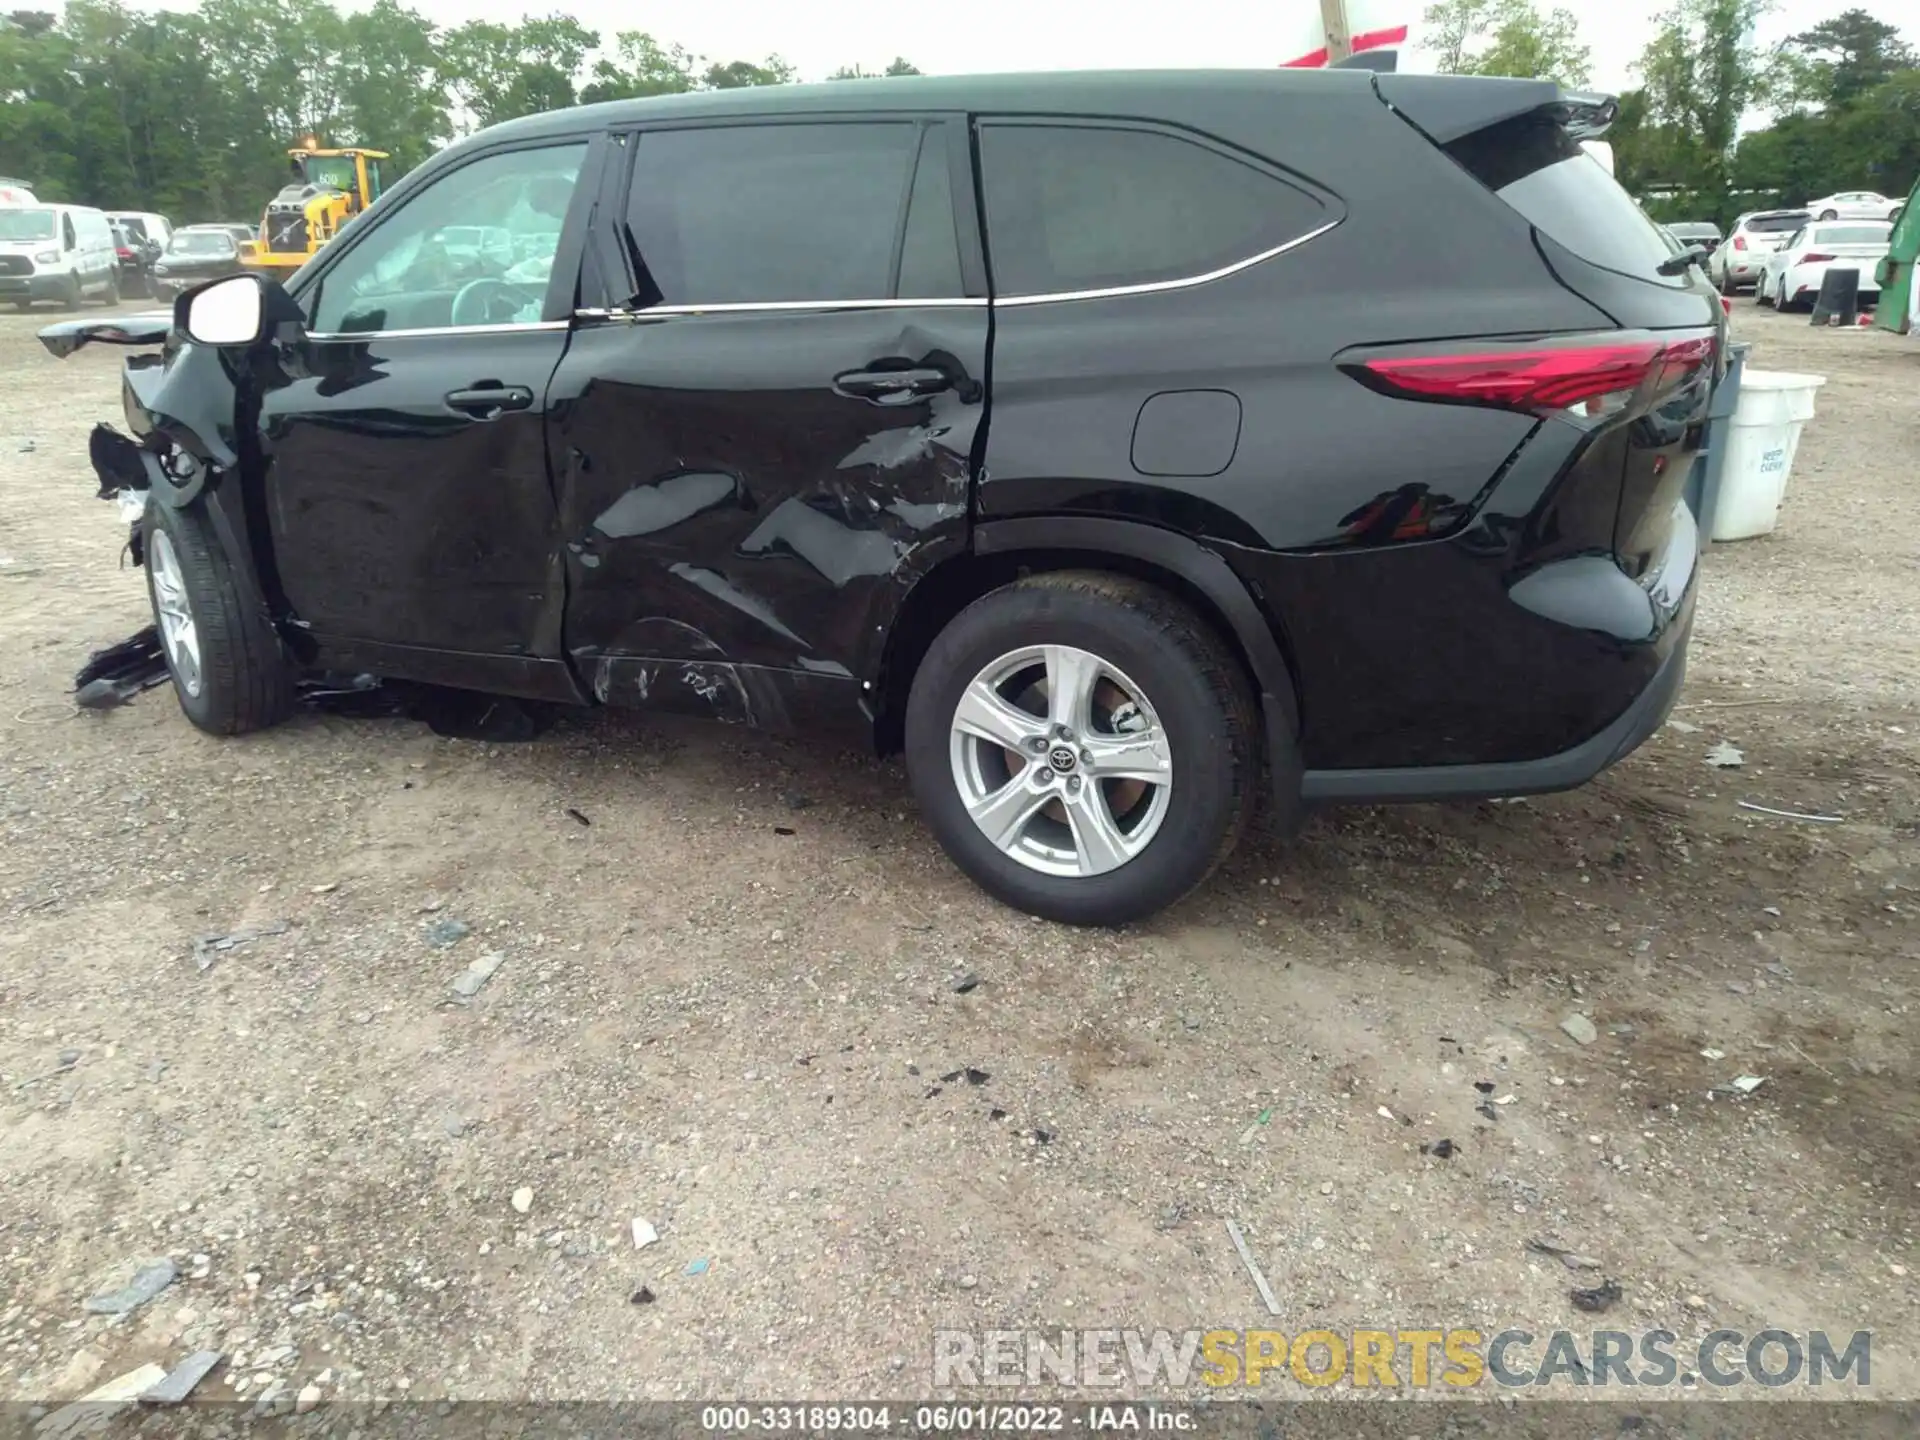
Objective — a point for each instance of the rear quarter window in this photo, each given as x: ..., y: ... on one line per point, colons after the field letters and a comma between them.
x: 1541, y: 171
x: 1083, y: 207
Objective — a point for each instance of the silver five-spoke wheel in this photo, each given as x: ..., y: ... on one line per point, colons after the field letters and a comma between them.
x: 174, y: 611
x: 1061, y: 761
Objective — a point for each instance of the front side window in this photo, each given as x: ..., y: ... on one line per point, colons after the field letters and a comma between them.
x: 1074, y: 208
x: 66, y: 232
x: 447, y: 258
x: 758, y: 214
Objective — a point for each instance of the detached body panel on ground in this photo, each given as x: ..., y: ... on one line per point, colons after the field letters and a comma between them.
x: 1039, y: 360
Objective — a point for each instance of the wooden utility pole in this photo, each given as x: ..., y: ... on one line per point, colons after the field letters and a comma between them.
x: 1333, y: 19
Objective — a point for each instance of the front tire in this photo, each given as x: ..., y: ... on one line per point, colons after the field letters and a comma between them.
x: 73, y: 294
x: 229, y: 671
x: 1829, y: 214
x: 113, y: 289
x: 1083, y: 746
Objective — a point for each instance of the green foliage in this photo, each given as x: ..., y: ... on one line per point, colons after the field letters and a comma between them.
x: 1507, y: 37
x: 1845, y: 97
x: 190, y: 112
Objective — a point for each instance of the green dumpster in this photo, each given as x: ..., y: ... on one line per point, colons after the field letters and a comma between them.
x: 1895, y: 270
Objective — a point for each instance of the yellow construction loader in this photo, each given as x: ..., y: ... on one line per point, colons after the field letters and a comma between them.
x: 324, y: 190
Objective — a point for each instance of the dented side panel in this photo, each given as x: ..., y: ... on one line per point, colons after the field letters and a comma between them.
x: 726, y: 509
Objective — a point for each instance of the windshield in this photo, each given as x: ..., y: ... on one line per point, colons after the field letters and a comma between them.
x: 201, y: 242
x: 331, y: 170
x: 26, y: 224
x: 1851, y: 235
x: 1778, y: 224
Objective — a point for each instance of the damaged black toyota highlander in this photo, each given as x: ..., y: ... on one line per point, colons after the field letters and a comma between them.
x: 1122, y: 448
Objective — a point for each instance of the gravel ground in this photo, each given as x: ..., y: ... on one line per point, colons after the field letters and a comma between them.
x: 727, y: 1004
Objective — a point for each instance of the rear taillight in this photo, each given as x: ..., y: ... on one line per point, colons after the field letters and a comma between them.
x: 1816, y: 258
x: 1739, y: 242
x: 1726, y: 305
x: 1575, y: 378
x: 124, y: 253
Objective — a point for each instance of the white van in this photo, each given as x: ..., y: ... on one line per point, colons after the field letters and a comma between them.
x: 56, y: 252
x: 144, y: 224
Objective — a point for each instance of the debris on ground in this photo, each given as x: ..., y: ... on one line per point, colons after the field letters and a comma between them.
x: 966, y: 984
x: 115, y: 675
x: 796, y: 801
x: 178, y: 1383
x: 91, y: 1412
x: 147, y: 1282
x: 697, y: 1267
x: 643, y: 1233
x: 1246, y: 1258
x: 579, y: 815
x: 1747, y: 1084
x: 642, y: 1296
x: 446, y: 931
x: 1683, y: 727
x: 1440, y: 1149
x: 208, y: 949
x: 523, y: 1199
x: 468, y: 982
x: 1597, y: 1301
x: 1726, y: 756
x: 1572, y: 1259
x: 1580, y: 1028
x: 1485, y: 1087
x: 1711, y: 1054
x: 1790, y: 814
x: 1485, y: 1107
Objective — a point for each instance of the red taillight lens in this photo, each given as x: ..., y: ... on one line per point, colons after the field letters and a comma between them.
x: 124, y: 253
x: 1739, y: 242
x: 1577, y: 377
x: 1726, y: 305
x: 1816, y: 258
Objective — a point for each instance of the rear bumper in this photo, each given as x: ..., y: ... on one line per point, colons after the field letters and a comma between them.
x: 1451, y: 678
x: 1567, y: 770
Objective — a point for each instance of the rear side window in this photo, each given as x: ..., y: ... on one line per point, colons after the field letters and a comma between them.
x: 1075, y: 207
x: 1537, y: 168
x: 760, y: 214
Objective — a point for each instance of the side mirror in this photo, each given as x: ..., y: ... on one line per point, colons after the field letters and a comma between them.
x: 236, y: 311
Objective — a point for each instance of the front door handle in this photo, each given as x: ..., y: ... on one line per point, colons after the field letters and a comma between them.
x: 489, y: 400
x: 891, y: 387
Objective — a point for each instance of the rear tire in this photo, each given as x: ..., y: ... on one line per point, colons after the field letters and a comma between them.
x: 229, y: 671
x: 72, y: 295
x: 1829, y: 214
x: 113, y: 289
x: 1163, y: 697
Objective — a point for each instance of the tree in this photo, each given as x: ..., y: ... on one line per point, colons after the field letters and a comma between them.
x: 739, y: 74
x: 1702, y: 73
x: 1845, y: 57
x: 1507, y: 37
x: 900, y: 66
x: 641, y: 66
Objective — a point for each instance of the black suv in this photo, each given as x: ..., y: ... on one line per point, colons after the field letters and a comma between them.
x: 1106, y: 442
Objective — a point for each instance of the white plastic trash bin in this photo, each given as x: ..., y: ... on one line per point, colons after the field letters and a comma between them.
x: 1762, y: 435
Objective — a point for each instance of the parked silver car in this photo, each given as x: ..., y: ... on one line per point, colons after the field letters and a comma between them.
x: 1756, y: 235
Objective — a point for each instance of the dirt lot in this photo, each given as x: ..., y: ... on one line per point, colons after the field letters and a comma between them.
x: 728, y: 1002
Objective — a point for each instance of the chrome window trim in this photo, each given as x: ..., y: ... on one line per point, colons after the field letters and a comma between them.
x: 362, y: 336
x: 745, y: 307
x: 1158, y: 287
x: 1151, y: 287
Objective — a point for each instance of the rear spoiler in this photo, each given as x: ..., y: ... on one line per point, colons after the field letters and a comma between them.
x: 1448, y: 107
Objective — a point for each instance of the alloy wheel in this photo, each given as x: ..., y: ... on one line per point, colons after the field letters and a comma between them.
x: 1061, y: 761
x: 174, y: 611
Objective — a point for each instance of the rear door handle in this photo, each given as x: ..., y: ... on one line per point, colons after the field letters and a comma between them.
x: 891, y: 387
x: 488, y: 401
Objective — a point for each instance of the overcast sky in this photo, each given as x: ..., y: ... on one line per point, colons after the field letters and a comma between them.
x: 987, y: 35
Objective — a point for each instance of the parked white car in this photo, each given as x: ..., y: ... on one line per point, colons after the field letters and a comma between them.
x: 1740, y: 258
x: 1853, y: 205
x: 1793, y: 272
